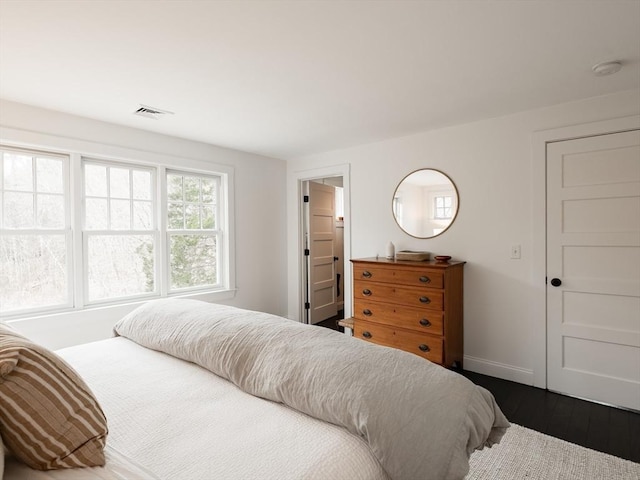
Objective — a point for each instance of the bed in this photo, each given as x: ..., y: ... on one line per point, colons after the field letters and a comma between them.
x: 195, y: 391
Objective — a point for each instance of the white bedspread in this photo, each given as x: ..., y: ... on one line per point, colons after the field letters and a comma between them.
x: 420, y: 420
x: 184, y: 423
x: 117, y: 467
x: 332, y: 407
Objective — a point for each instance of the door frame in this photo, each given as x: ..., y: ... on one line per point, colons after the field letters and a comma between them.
x: 311, y: 271
x: 540, y: 140
x: 295, y: 237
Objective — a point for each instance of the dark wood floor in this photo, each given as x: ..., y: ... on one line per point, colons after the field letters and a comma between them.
x: 598, y: 427
x: 606, y: 429
x: 332, y: 322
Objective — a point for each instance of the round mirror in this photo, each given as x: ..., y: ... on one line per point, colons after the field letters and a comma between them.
x: 425, y: 203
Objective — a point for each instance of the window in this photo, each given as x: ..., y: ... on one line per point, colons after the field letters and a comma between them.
x: 78, y: 232
x: 396, y: 207
x: 119, y: 231
x: 443, y: 207
x: 35, y: 236
x: 192, y: 230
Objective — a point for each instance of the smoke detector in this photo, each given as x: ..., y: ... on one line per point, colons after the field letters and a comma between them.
x: 606, y: 68
x: 151, y: 112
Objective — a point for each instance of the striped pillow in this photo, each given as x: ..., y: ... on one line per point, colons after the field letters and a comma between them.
x: 49, y: 419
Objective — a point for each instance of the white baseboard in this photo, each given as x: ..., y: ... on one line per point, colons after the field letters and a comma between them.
x: 498, y: 370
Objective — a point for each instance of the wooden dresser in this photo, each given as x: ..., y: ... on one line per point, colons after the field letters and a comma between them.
x: 413, y: 306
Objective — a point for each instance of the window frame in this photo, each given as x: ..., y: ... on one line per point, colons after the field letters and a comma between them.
x: 66, y: 230
x: 217, y: 232
x: 76, y: 152
x: 444, y: 198
x: 86, y: 234
x: 396, y: 208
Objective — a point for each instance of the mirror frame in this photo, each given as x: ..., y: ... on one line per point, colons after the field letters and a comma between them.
x: 455, y: 214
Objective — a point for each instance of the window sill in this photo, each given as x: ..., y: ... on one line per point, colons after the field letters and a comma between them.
x: 73, y: 327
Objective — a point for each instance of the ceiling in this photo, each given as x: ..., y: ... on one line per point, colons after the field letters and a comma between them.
x: 291, y: 78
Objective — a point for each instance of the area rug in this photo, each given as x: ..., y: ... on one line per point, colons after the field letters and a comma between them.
x: 527, y: 454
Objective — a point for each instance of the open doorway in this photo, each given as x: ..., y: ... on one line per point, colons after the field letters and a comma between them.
x: 295, y: 256
x: 323, y: 257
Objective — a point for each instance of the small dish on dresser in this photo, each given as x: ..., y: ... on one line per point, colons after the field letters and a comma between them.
x: 442, y: 258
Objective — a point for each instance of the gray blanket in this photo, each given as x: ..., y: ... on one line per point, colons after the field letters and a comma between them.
x: 420, y: 420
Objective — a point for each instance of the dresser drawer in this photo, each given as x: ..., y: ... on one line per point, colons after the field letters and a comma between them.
x: 428, y: 298
x: 419, y: 319
x: 418, y: 276
x: 426, y: 346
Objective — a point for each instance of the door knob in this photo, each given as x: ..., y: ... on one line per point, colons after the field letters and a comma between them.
x: 556, y: 282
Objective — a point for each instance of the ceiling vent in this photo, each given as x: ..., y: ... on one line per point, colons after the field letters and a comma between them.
x: 151, y: 112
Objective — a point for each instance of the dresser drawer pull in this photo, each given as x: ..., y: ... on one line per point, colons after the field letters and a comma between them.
x: 425, y: 323
x: 367, y: 312
x: 425, y: 300
x: 423, y: 347
x: 425, y: 279
x: 366, y: 292
x: 367, y: 274
x: 366, y: 334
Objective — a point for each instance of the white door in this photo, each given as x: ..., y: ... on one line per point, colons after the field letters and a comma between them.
x: 322, y: 272
x: 593, y: 268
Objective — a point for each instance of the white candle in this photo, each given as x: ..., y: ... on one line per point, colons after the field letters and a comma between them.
x: 391, y: 250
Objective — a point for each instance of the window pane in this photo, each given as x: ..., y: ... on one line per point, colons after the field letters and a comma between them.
x: 18, y: 210
x: 176, y: 216
x: 142, y: 215
x: 95, y: 180
x: 208, y: 191
x: 120, y: 266
x: 49, y: 175
x: 191, y: 189
x: 141, y: 185
x: 119, y: 182
x: 208, y: 217
x: 18, y: 172
x: 193, y: 260
x: 120, y: 214
x: 192, y: 216
x: 50, y: 211
x: 32, y: 271
x: 96, y: 214
x: 174, y: 187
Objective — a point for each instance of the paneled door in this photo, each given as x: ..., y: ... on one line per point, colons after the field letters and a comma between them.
x: 593, y: 268
x: 322, y: 271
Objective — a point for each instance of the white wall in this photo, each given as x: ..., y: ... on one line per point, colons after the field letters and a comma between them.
x: 260, y: 203
x: 492, y: 164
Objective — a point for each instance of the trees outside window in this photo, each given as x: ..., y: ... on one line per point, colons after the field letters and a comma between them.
x: 120, y: 233
x: 192, y: 231
x: 35, y: 236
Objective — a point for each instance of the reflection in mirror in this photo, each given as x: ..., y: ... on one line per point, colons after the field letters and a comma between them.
x: 425, y: 203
